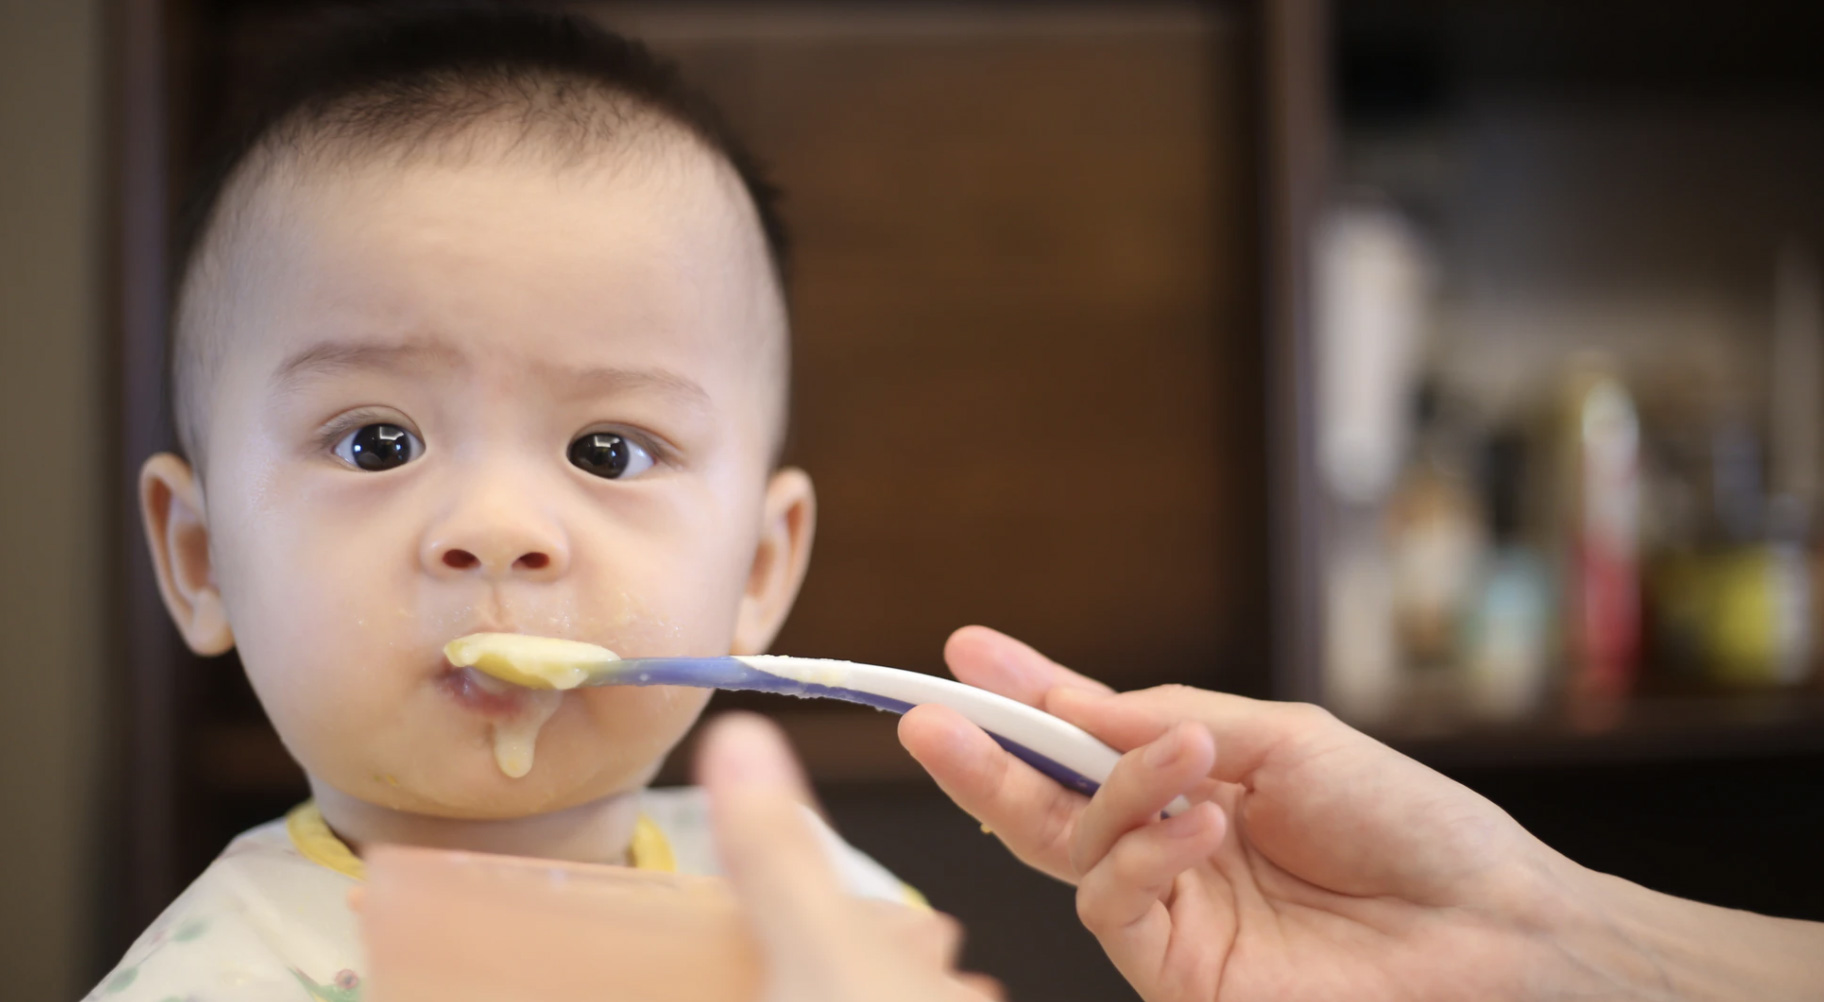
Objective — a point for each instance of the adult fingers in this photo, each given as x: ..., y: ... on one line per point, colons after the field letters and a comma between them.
x: 1029, y: 812
x: 1126, y: 886
x: 1414, y: 832
x: 1142, y: 783
x: 819, y: 943
x: 992, y: 660
x: 772, y: 855
x: 1248, y: 732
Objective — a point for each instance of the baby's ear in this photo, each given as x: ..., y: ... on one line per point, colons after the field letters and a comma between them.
x: 171, y: 502
x: 788, y: 521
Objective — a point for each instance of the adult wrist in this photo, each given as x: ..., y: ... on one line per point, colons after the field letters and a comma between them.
x: 1625, y: 941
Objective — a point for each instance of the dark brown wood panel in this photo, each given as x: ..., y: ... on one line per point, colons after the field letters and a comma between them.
x: 1027, y: 377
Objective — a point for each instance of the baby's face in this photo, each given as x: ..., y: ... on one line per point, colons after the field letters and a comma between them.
x: 497, y: 396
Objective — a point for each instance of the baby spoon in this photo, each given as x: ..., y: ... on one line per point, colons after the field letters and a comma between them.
x: 1060, y: 750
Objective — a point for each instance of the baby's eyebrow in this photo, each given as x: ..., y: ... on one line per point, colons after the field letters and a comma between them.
x: 608, y: 380
x: 328, y: 357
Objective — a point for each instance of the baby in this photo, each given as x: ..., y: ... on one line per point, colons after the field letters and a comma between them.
x: 482, y: 329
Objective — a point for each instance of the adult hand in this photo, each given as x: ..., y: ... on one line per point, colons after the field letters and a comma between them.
x: 1316, y: 863
x: 819, y: 943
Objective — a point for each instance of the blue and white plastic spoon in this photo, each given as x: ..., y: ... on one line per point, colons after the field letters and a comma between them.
x: 1060, y: 750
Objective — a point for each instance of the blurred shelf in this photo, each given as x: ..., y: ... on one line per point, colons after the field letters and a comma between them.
x: 1652, y: 728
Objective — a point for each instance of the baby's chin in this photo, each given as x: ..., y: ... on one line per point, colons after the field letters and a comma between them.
x: 442, y: 760
x: 479, y: 791
x: 605, y: 750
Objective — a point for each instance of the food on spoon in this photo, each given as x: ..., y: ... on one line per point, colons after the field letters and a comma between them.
x: 532, y: 662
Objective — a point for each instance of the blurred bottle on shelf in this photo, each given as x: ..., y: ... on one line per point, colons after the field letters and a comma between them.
x: 1756, y: 586
x: 1508, y: 629
x: 1759, y: 625
x: 1600, y: 510
x: 1678, y: 529
x: 1761, y: 620
x: 1363, y: 677
x: 1436, y: 534
x: 1732, y: 600
x: 1373, y: 278
x: 1796, y: 404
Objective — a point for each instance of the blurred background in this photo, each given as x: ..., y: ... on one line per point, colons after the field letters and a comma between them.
x: 1459, y: 367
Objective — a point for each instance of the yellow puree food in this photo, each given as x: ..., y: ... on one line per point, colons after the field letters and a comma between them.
x: 545, y: 665
x: 532, y: 662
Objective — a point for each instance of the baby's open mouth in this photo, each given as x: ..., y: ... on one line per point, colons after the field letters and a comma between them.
x: 480, y: 692
x: 517, y: 682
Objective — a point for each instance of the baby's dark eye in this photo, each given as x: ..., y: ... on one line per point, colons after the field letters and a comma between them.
x: 609, y: 456
x: 377, y: 447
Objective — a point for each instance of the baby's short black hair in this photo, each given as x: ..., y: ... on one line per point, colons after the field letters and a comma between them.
x: 407, y: 75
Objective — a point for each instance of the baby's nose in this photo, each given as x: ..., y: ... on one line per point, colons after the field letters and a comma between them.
x: 457, y: 558
x: 496, y: 540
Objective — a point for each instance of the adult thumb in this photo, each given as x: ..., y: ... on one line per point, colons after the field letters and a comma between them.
x: 771, y: 850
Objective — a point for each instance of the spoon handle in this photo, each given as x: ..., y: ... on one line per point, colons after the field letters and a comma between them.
x: 1060, y: 750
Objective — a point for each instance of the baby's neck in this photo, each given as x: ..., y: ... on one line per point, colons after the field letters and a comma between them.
x: 596, y: 832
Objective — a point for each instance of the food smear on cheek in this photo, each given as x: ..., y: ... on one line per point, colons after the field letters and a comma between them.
x: 516, y: 737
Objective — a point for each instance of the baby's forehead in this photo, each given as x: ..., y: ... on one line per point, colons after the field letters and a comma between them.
x: 304, y: 175
x: 332, y: 190
x: 337, y: 209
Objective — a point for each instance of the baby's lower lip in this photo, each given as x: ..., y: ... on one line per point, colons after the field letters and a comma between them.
x: 479, y: 693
